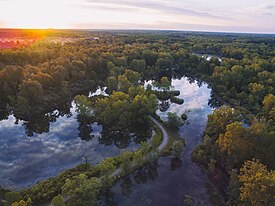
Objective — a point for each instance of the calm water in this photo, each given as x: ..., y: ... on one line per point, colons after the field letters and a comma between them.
x: 49, y: 144
x: 167, y: 182
x: 34, y: 152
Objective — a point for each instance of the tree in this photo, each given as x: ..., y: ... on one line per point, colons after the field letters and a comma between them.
x: 269, y: 110
x: 12, y: 197
x: 123, y: 83
x: 120, y: 110
x: 164, y: 85
x: 107, y: 166
x: 32, y: 91
x: 132, y: 76
x: 128, y: 79
x: 23, y: 203
x: 112, y: 83
x: 83, y: 191
x: 12, y: 77
x: 235, y: 144
x: 177, y: 148
x: 58, y: 201
x: 138, y: 65
x: 234, y: 189
x: 150, y: 57
x: 165, y: 64
x: 126, y: 158
x: 174, y: 120
x: 83, y: 105
x: 258, y: 184
x: 218, y: 121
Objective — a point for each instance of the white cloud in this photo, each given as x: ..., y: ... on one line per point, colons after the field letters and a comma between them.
x: 211, y: 15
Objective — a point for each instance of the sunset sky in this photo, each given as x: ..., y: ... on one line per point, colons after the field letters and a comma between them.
x: 202, y: 15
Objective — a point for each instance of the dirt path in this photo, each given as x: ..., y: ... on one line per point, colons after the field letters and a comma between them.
x: 165, y: 137
x: 165, y: 140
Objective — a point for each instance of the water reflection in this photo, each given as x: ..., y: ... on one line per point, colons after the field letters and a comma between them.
x: 130, y: 185
x: 173, y: 178
x: 53, y: 142
x: 122, y: 139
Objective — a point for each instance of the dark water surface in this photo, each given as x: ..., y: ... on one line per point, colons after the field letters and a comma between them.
x: 32, y: 153
x: 49, y: 144
x: 166, y: 183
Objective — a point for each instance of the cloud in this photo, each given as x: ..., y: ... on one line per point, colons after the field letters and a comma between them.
x: 164, y: 7
x: 169, y: 25
x: 214, y: 15
x: 217, y: 28
x: 263, y: 9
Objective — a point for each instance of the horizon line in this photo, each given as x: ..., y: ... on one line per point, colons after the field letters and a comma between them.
x: 139, y: 29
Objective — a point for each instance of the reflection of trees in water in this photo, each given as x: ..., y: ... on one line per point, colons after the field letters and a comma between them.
x: 126, y: 186
x: 107, y: 199
x: 140, y: 176
x: 122, y: 139
x: 118, y: 138
x: 85, y: 128
x: 4, y: 113
x: 146, y: 173
x: 40, y: 123
x: 164, y: 105
x: 175, y: 164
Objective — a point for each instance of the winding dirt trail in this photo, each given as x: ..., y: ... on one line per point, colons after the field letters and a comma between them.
x: 165, y: 140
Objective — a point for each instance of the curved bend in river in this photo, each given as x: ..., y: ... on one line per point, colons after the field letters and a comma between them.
x: 171, y: 180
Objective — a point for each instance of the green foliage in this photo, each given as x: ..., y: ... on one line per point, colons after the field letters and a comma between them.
x: 234, y: 189
x: 230, y: 144
x: 138, y: 65
x: 184, y: 117
x: 121, y: 110
x: 107, y: 166
x: 177, y: 148
x: 258, y: 184
x: 48, y: 189
x: 174, y: 120
x: 12, y: 197
x: 126, y: 160
x: 218, y: 121
x: 150, y: 57
x: 82, y: 190
x: 23, y: 203
x: 177, y: 100
x: 128, y: 79
x: 269, y: 111
x: 188, y: 201
x: 112, y: 84
x: 33, y: 79
x: 58, y: 201
x: 156, y: 139
x: 83, y: 105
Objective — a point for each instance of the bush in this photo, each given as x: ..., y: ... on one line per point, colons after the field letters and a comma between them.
x: 12, y: 197
x: 176, y: 100
x: 174, y: 120
x: 58, y: 201
x: 177, y: 148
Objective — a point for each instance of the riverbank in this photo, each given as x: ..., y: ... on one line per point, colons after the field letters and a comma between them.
x: 145, y: 154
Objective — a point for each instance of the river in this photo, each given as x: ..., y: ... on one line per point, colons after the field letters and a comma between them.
x: 170, y: 180
x: 51, y: 143
x: 34, y: 151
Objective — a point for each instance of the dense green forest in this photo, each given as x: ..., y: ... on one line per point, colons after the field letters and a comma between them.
x: 240, y: 135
